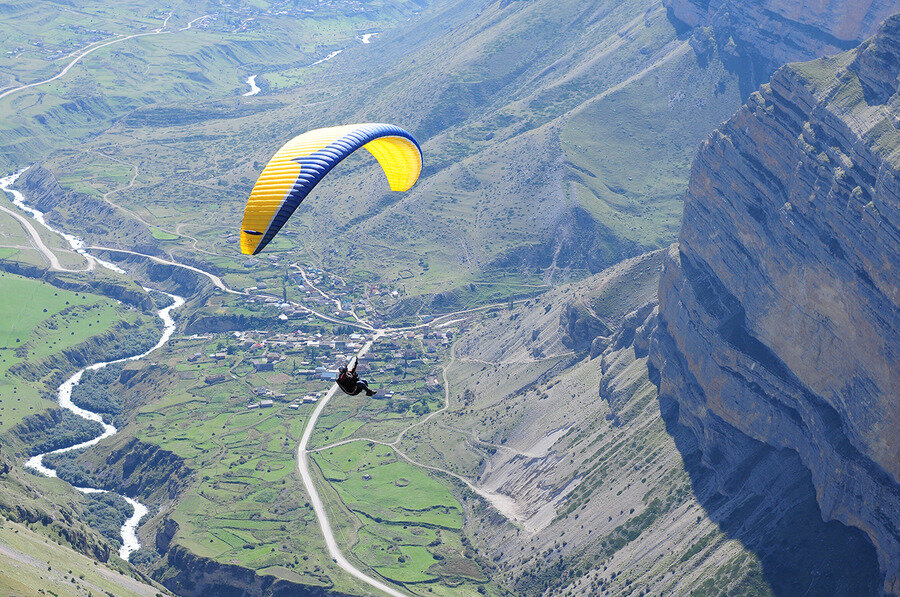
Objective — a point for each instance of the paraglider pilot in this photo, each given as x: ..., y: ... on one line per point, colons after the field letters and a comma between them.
x: 348, y: 380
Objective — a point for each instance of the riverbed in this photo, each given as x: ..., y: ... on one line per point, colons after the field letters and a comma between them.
x: 254, y: 88
x: 130, y: 542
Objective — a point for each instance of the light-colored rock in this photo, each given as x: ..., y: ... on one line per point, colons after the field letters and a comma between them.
x: 762, y: 35
x: 780, y: 310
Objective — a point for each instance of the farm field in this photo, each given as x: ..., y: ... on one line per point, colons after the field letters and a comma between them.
x: 37, y: 321
x: 410, y: 523
x: 249, y: 508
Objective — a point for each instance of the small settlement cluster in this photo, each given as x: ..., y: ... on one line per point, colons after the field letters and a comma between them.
x: 297, y: 367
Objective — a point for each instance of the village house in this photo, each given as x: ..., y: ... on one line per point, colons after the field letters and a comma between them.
x: 263, y: 365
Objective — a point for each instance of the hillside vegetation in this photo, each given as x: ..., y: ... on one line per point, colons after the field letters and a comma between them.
x: 546, y: 156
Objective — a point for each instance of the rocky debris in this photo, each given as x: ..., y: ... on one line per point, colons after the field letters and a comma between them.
x: 779, y: 309
x: 4, y: 464
x: 581, y: 328
x: 876, y: 65
x: 598, y: 484
x: 761, y: 35
x: 21, y: 501
x: 164, y: 535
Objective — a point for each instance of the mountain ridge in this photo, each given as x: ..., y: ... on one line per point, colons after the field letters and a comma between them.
x: 811, y: 226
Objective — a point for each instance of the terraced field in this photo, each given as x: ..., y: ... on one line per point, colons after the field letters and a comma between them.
x: 246, y: 505
x: 409, y: 522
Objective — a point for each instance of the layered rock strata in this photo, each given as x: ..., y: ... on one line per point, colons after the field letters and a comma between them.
x: 779, y: 316
x: 761, y: 35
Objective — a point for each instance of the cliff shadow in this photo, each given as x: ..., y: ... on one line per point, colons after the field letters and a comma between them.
x: 765, y: 499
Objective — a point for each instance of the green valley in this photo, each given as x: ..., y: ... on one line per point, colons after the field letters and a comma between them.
x: 40, y: 322
x: 525, y: 439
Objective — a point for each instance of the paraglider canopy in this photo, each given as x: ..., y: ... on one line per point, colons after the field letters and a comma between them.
x: 304, y: 160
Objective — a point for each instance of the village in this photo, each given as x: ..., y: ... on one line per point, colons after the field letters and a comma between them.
x: 314, y: 289
x: 296, y: 363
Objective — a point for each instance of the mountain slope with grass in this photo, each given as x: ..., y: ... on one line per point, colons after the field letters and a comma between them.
x: 557, y: 138
x: 538, y: 162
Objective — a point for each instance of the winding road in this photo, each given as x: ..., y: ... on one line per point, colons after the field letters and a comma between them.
x: 316, y: 500
x: 93, y: 48
x: 504, y: 504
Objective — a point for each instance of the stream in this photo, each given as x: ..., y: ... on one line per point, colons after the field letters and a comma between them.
x: 254, y: 88
x: 75, y: 242
x: 130, y: 542
x: 327, y: 58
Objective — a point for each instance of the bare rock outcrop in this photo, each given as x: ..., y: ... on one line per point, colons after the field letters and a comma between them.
x: 762, y: 35
x: 779, y: 316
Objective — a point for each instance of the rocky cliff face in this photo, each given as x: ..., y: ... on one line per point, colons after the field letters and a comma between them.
x: 779, y: 316
x: 762, y: 35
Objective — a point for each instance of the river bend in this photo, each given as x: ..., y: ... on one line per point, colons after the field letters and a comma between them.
x: 130, y: 542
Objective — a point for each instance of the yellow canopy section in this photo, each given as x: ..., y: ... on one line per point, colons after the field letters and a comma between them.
x: 304, y: 160
x: 400, y: 159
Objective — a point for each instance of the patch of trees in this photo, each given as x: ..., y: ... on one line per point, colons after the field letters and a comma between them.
x: 60, y: 430
x: 93, y: 391
x: 144, y: 557
x: 107, y: 512
x: 69, y: 470
x: 128, y: 342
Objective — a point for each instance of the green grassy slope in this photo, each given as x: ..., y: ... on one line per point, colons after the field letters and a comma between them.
x: 545, y: 152
x: 39, y: 321
x: 24, y: 569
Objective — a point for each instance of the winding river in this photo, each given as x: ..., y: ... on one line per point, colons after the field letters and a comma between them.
x: 130, y: 542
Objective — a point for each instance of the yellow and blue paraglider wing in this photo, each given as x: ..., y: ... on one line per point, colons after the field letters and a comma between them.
x: 304, y: 160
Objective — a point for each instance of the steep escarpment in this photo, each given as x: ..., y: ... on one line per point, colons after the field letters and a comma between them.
x: 779, y: 310
x: 758, y: 36
x: 554, y: 416
x: 88, y: 213
x: 194, y: 576
x: 131, y: 467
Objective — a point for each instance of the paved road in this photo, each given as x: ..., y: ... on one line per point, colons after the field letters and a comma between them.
x: 36, y: 240
x: 316, y: 500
